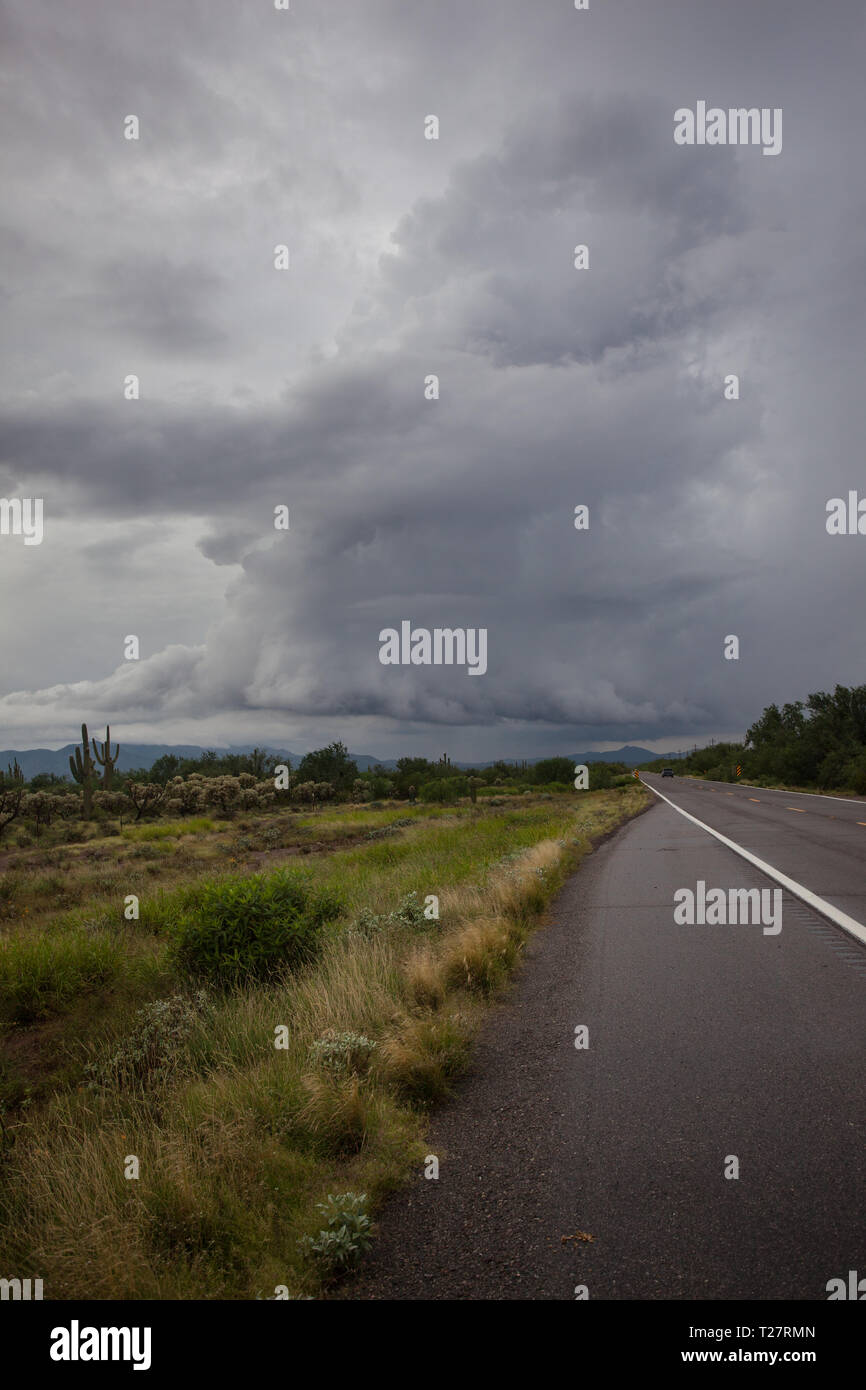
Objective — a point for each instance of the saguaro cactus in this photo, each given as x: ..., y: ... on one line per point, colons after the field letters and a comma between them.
x: 105, y: 759
x: 81, y: 767
x: 11, y: 794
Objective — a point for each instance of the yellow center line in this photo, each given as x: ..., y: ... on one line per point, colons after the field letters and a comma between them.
x: 755, y: 798
x: 798, y: 809
x: 861, y: 822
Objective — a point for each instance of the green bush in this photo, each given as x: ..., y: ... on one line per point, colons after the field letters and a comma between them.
x: 445, y: 789
x: 251, y: 927
x: 853, y: 775
x: 342, y: 1243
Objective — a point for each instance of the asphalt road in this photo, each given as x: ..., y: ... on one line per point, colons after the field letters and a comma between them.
x: 819, y: 841
x: 705, y: 1043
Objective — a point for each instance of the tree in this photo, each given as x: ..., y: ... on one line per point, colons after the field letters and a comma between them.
x: 554, y: 770
x: 48, y: 782
x: 331, y: 764
x: 414, y: 772
x: 165, y: 768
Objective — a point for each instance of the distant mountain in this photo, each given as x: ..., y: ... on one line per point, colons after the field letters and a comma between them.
x: 629, y: 755
x: 32, y: 761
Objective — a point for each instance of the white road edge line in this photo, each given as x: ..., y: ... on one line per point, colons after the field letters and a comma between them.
x: 833, y: 914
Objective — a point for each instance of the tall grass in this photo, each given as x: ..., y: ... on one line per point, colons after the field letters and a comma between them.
x: 243, y: 1139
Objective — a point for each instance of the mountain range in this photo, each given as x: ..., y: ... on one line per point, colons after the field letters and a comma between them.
x: 32, y: 761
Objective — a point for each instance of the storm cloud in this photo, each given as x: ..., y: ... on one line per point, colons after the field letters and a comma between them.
x: 412, y: 258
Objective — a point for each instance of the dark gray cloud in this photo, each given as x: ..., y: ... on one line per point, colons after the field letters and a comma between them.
x: 410, y: 258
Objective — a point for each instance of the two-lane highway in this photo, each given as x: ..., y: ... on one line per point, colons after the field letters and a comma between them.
x: 710, y: 1141
x: 818, y: 841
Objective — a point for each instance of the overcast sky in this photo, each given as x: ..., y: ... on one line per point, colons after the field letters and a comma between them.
x: 410, y: 257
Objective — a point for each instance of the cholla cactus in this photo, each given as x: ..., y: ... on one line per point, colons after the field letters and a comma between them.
x: 113, y: 803
x: 144, y: 796
x: 39, y: 807
x: 267, y: 792
x: 224, y: 793
x: 189, y: 791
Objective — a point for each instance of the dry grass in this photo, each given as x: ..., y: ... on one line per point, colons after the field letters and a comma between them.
x: 236, y: 1151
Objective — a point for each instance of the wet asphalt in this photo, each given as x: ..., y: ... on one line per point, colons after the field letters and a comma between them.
x: 604, y: 1167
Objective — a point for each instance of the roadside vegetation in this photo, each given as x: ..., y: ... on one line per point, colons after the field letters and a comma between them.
x: 253, y: 1007
x: 814, y: 745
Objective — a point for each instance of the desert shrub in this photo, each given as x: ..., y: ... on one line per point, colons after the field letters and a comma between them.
x: 251, y: 927
x: 150, y: 1052
x: 342, y: 1052
x: 410, y: 913
x: 343, y: 1242
x: 367, y: 923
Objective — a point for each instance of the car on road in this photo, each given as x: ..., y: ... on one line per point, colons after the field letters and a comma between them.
x: 667, y: 772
